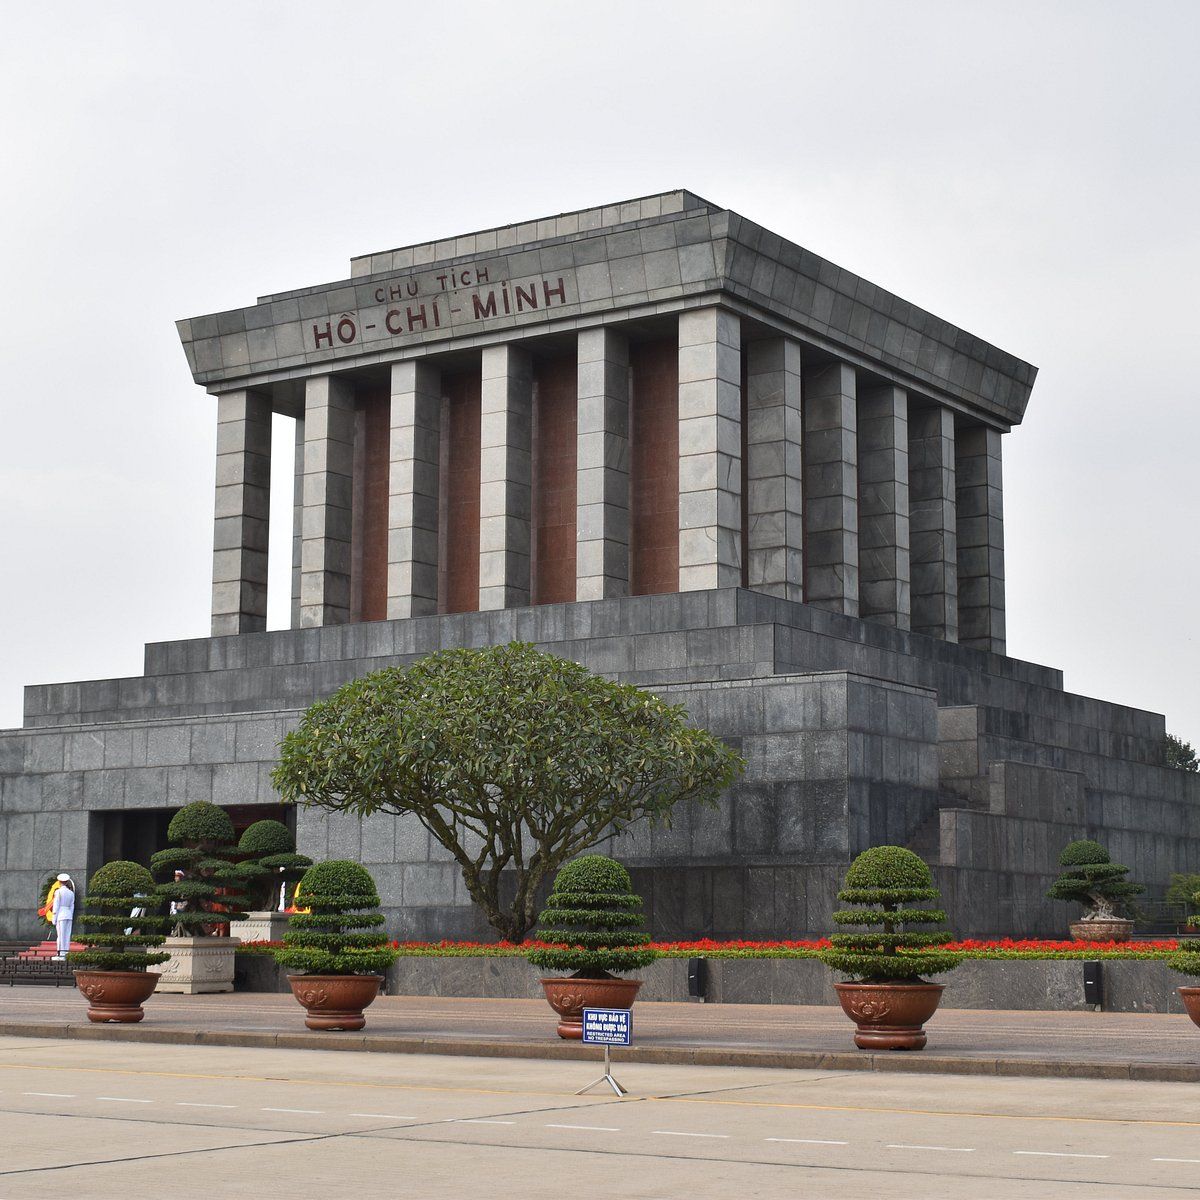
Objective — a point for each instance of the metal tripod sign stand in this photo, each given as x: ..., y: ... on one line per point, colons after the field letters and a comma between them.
x: 607, y: 1027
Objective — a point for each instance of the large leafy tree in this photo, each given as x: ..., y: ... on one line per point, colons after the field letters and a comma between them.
x: 514, y: 760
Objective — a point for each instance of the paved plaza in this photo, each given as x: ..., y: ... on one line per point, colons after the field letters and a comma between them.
x: 1139, y: 1046
x: 138, y: 1121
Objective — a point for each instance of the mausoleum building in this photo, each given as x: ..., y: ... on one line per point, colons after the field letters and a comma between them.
x: 661, y: 440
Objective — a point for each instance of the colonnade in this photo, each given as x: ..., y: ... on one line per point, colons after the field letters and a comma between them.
x: 797, y: 475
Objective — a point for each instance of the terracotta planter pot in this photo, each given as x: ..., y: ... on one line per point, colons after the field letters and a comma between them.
x: 889, y: 1016
x: 116, y: 995
x: 570, y: 995
x: 335, y: 1001
x: 1115, y: 930
x: 1191, y: 1001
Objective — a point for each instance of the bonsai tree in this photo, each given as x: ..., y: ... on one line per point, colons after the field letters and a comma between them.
x: 514, y: 760
x: 269, y: 859
x: 210, y: 892
x: 1186, y: 959
x: 338, y: 933
x: 1092, y: 879
x: 883, y: 884
x: 114, y: 891
x: 595, y: 919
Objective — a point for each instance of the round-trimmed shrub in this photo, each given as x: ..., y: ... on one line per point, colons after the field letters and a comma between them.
x: 1092, y: 879
x: 338, y: 935
x: 883, y: 883
x: 1187, y: 961
x: 270, y: 859
x: 595, y: 920
x: 113, y: 892
x: 201, y: 823
x: 212, y: 891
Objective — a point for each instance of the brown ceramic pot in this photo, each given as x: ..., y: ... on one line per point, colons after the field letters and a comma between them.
x: 889, y: 1016
x: 570, y: 995
x: 335, y: 1001
x: 116, y: 995
x: 1191, y: 1001
x: 1117, y: 929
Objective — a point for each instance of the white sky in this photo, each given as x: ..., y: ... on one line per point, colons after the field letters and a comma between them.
x: 1027, y: 170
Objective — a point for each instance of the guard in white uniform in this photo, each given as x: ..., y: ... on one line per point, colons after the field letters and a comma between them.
x: 63, y: 913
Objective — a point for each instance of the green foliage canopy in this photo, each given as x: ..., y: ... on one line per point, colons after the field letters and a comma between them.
x: 114, y: 891
x: 269, y: 858
x: 882, y: 882
x: 514, y: 760
x: 1092, y: 879
x: 338, y: 936
x: 594, y: 915
x: 1179, y: 754
x: 212, y: 891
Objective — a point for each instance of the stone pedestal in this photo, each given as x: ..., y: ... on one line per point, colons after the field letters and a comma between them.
x: 262, y: 926
x: 197, y: 964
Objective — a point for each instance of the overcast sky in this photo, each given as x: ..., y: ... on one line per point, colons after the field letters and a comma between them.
x: 1027, y: 170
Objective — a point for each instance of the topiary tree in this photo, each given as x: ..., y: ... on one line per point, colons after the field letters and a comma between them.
x: 514, y: 760
x: 270, y: 858
x: 594, y: 916
x: 882, y: 882
x: 1092, y: 879
x: 114, y: 891
x: 337, y: 935
x: 211, y: 891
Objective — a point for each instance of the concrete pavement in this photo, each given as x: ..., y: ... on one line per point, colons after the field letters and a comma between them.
x: 1143, y: 1046
x: 108, y: 1122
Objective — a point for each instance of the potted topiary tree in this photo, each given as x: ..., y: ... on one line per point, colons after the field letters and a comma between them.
x: 889, y: 1001
x: 204, y: 892
x: 1092, y: 879
x: 1186, y: 961
x: 269, y: 864
x: 337, y: 944
x: 593, y: 924
x: 112, y: 972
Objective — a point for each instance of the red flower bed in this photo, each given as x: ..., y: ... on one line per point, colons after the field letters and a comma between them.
x: 1028, y: 948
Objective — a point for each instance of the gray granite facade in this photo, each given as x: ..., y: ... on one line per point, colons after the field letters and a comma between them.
x: 839, y: 457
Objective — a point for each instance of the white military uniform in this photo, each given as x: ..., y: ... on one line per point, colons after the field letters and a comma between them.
x: 64, y: 917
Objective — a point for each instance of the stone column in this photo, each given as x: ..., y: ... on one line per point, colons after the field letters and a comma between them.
x: 242, y: 513
x: 602, y: 512
x: 710, y: 450
x: 933, y: 522
x: 297, y: 521
x: 774, y: 468
x: 505, y: 459
x: 883, y: 506
x: 831, y: 488
x: 413, y: 490
x: 980, y: 539
x: 328, y: 499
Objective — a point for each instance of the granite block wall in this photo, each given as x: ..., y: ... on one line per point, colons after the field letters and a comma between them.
x: 855, y: 734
